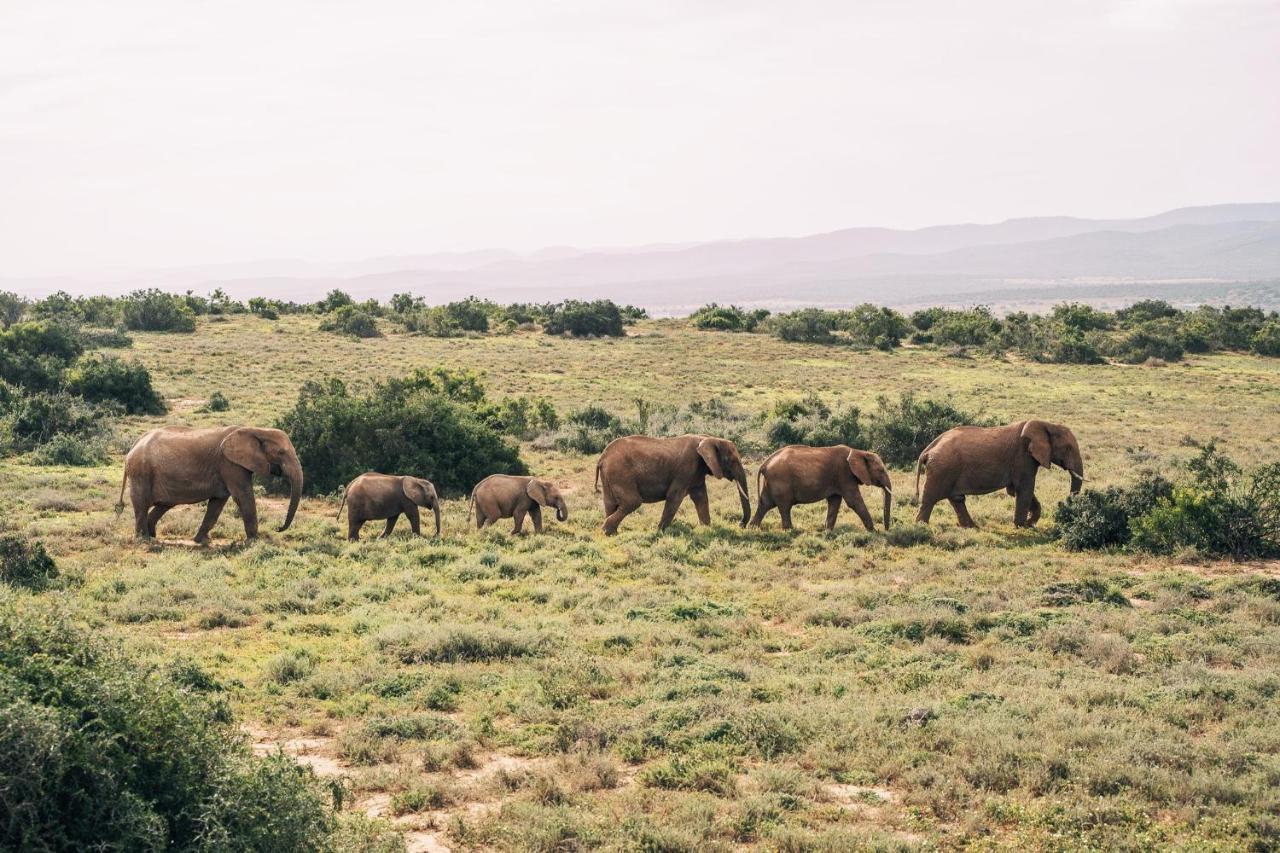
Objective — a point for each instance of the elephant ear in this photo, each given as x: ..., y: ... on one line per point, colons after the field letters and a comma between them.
x: 415, y: 490
x: 858, y: 465
x: 1035, y: 435
x: 537, y: 489
x: 710, y: 454
x: 245, y: 449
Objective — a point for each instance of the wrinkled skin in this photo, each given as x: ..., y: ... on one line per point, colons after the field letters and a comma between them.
x: 637, y: 469
x: 978, y: 460
x: 506, y: 496
x: 388, y: 496
x: 180, y: 465
x: 798, y: 474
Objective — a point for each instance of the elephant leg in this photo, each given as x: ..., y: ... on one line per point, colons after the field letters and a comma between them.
x: 700, y: 503
x: 140, y: 507
x: 153, y: 517
x: 962, y: 512
x: 859, y: 506
x: 391, y: 525
x: 762, y: 506
x: 519, y: 520
x: 1035, y: 512
x: 242, y: 493
x: 415, y: 519
x: 354, y: 523
x: 535, y: 515
x: 620, y: 511
x: 833, y: 511
x: 784, y: 510
x: 669, y: 509
x: 211, y: 513
x: 1021, y: 508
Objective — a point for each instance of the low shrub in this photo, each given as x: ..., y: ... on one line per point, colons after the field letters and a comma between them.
x: 589, y: 430
x: 726, y: 318
x: 35, y: 355
x: 876, y: 326
x: 602, y: 318
x: 26, y: 564
x: 973, y: 327
x: 1148, y: 341
x: 34, y: 419
x: 156, y: 311
x: 1096, y: 519
x: 99, y: 378
x: 680, y: 773
x: 218, y: 402
x: 810, y: 421
x: 427, y: 423
x: 350, y: 320
x: 98, y: 752
x: 809, y: 325
x: 460, y: 644
x: 74, y: 450
x: 12, y: 307
x: 899, y: 430
x: 1266, y: 341
x: 105, y: 339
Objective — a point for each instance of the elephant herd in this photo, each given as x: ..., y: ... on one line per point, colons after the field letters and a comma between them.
x: 182, y: 465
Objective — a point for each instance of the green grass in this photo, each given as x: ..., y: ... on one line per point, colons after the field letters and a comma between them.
x: 713, y: 686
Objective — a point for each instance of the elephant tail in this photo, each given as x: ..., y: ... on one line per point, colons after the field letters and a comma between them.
x: 341, y: 504
x: 123, y: 479
x: 599, y: 465
x: 920, y: 463
x: 471, y: 499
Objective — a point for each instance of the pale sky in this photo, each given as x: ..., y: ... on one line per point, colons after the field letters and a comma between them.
x: 144, y: 134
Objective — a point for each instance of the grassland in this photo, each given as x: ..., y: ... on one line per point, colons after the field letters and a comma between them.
x: 712, y: 686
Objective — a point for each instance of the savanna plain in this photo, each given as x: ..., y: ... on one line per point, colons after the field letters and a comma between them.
x: 708, y: 687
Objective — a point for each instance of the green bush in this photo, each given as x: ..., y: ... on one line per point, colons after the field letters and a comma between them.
x: 726, y: 318
x: 811, y: 421
x: 590, y: 430
x: 601, y: 318
x: 156, y: 311
x: 1266, y: 341
x: 1223, y: 511
x: 25, y: 564
x: 36, y: 355
x: 1150, y: 340
x: 1144, y: 311
x: 334, y: 300
x: 218, y: 402
x: 12, y: 307
x: 1081, y: 318
x: 1096, y: 519
x: 427, y: 424
x: 105, y: 339
x: 876, y: 326
x: 99, y: 378
x: 973, y: 327
x: 352, y: 321
x: 809, y: 325
x: 33, y: 419
x: 899, y: 430
x: 77, y: 450
x: 98, y: 752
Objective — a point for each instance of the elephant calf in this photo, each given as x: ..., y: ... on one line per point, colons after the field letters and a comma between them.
x: 506, y: 496
x: 387, y: 496
x: 798, y: 474
x: 977, y: 460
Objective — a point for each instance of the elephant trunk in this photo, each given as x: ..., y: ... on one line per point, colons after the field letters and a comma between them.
x: 435, y: 509
x: 562, y: 510
x: 743, y: 496
x: 292, y: 471
x: 1076, y: 482
x: 888, y: 505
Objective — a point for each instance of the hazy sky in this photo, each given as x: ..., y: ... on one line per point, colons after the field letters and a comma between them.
x: 162, y: 133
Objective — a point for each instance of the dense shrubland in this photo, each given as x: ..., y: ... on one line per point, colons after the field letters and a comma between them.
x: 436, y: 424
x: 1216, y: 508
x: 1071, y: 334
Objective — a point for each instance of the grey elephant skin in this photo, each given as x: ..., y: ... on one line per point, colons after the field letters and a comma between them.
x: 388, y: 496
x: 180, y: 465
x: 799, y: 474
x: 979, y: 460
x: 510, y: 496
x: 638, y: 469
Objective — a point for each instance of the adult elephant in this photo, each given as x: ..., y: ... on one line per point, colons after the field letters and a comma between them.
x: 507, y: 496
x: 180, y: 465
x: 799, y: 474
x: 388, y: 496
x: 637, y: 469
x: 978, y: 460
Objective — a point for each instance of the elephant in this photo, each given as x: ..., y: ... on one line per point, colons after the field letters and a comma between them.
x: 799, y: 474
x: 506, y: 496
x: 182, y: 465
x: 638, y: 469
x: 971, y: 460
x: 387, y: 496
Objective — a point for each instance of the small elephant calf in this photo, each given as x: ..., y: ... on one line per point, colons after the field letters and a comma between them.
x: 387, y: 496
x: 506, y: 496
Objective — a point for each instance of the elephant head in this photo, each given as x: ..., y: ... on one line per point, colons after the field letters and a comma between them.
x: 869, y: 470
x: 267, y: 451
x: 545, y: 493
x: 1053, y: 444
x: 721, y: 457
x: 423, y: 493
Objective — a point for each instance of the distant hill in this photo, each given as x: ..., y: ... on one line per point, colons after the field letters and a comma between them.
x: 1186, y: 249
